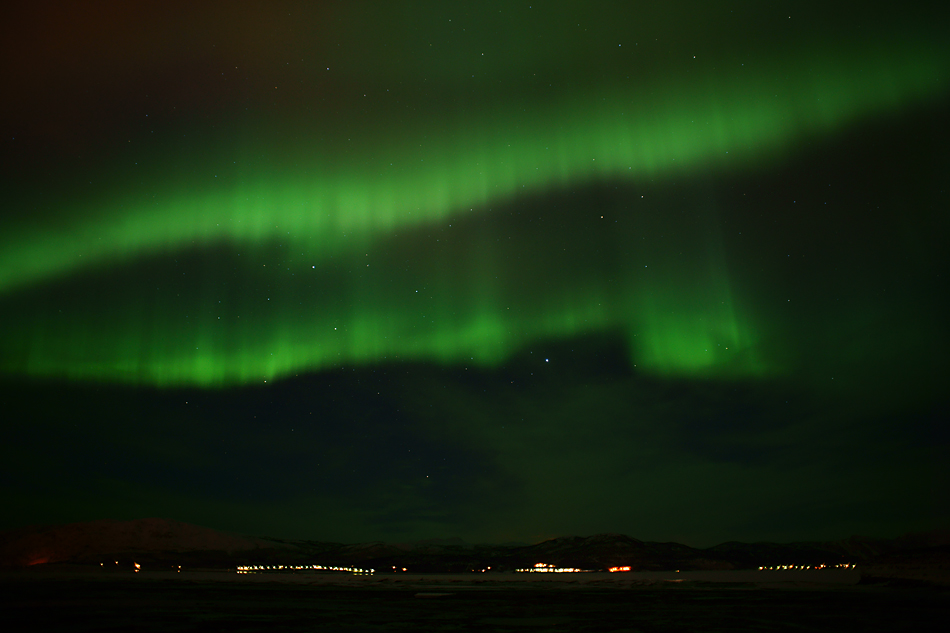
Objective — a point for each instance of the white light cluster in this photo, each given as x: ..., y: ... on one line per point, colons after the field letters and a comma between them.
x: 541, y: 567
x: 257, y: 569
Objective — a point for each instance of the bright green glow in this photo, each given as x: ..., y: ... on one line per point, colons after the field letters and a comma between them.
x: 679, y: 323
x: 466, y: 299
x: 728, y: 123
x: 691, y: 340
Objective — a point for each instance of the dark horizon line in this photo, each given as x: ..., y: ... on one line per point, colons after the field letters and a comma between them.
x: 447, y: 541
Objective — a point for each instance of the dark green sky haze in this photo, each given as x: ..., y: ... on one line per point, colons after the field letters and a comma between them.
x: 389, y: 271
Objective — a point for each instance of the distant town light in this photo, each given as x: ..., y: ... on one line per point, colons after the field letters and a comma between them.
x: 543, y: 567
x: 253, y: 569
x: 822, y: 566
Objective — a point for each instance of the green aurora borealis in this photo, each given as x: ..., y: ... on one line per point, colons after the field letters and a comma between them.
x: 474, y: 199
x: 354, y: 207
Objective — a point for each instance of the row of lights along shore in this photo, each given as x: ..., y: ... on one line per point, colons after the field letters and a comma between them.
x: 538, y: 568
x: 253, y: 569
x: 781, y: 567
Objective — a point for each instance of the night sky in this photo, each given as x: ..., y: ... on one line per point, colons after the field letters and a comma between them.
x: 503, y: 271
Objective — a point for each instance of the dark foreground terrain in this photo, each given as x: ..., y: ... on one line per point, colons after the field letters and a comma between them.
x: 138, y: 602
